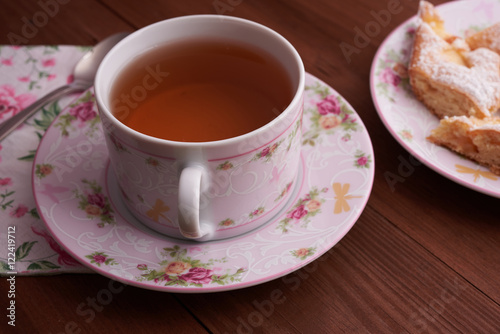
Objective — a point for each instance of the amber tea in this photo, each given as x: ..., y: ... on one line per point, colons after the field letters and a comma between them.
x: 200, y: 90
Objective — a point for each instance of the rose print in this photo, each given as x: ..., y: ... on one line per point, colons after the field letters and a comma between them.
x: 267, y: 152
x: 406, y: 135
x: 100, y: 258
x: 95, y: 204
x: 392, y: 68
x: 388, y: 76
x: 329, y: 115
x: 97, y: 200
x: 177, y: 267
x: 118, y: 146
x: 48, y: 62
x: 329, y: 105
x: 257, y: 212
x: 43, y: 170
x: 20, y: 211
x: 313, y: 205
x: 84, y: 111
x: 64, y: 257
x: 92, y: 210
x: 362, y: 160
x: 297, y: 213
x: 303, y: 253
x: 152, y: 162
x: 6, y: 181
x: 329, y: 122
x: 225, y: 166
x: 10, y: 103
x: 305, y: 208
x: 226, y: 222
x: 198, y: 276
x: 6, y: 61
x: 180, y: 269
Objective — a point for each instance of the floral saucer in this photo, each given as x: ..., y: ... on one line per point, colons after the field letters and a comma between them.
x: 78, y: 200
x: 405, y: 117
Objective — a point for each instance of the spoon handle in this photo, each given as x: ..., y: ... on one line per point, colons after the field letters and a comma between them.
x: 16, y: 120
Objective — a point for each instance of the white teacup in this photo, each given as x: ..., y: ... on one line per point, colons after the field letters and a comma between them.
x: 204, y: 190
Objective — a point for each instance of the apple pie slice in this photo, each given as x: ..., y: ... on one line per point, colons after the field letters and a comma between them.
x: 449, y: 78
x: 477, y: 139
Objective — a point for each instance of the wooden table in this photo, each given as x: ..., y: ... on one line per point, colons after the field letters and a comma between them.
x: 424, y: 257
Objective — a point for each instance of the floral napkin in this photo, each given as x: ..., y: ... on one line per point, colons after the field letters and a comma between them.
x: 26, y: 74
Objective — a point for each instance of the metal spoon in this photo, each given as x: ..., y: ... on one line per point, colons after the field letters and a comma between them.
x: 84, y: 74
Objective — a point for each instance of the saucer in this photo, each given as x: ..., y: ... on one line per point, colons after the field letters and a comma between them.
x: 406, y: 118
x: 79, y: 201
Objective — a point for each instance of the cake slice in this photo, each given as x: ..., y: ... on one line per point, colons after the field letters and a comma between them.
x: 477, y: 139
x: 448, y: 78
x: 488, y: 38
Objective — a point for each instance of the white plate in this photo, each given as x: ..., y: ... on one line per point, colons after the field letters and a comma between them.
x: 406, y: 118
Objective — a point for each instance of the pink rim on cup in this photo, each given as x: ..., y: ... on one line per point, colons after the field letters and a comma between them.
x: 204, y: 190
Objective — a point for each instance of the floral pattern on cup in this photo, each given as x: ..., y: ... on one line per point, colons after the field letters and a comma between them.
x: 99, y: 258
x: 392, y: 69
x: 178, y: 269
x: 117, y: 145
x: 82, y: 111
x: 43, y: 170
x: 226, y: 165
x: 330, y: 114
x: 293, y: 134
x: 150, y: 161
x: 303, y: 253
x: 302, y: 212
x: 362, y: 160
x: 95, y: 203
x: 267, y: 153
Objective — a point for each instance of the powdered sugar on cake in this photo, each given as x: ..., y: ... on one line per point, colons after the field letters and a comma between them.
x: 480, y: 79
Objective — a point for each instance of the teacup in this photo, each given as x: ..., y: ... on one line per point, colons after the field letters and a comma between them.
x: 204, y: 190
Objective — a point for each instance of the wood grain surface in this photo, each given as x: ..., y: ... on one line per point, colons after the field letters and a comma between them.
x: 424, y: 257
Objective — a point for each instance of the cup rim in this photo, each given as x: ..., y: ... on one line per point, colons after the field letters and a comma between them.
x: 297, y: 97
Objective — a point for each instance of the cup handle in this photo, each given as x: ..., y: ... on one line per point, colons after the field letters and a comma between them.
x: 189, y: 202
